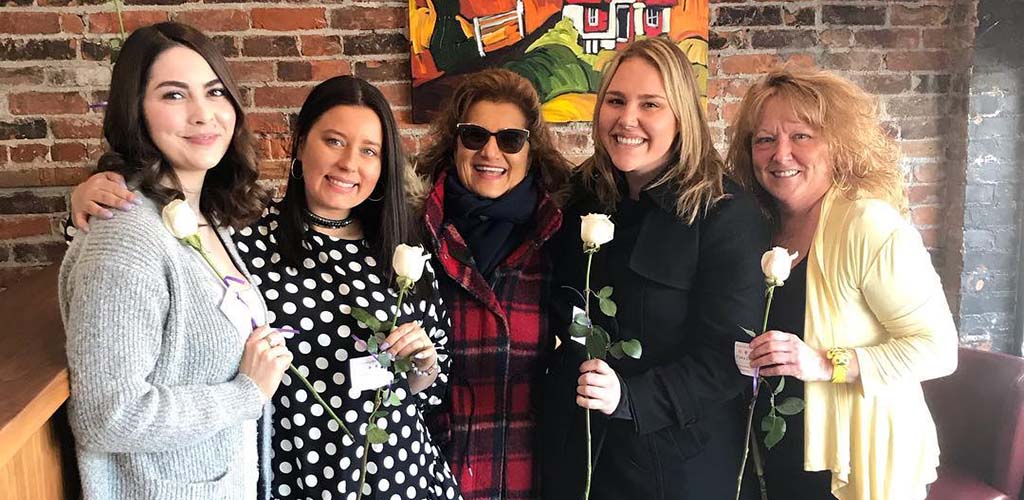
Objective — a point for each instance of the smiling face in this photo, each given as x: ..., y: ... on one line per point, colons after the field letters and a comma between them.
x: 341, y: 160
x: 791, y: 158
x: 489, y: 172
x: 187, y: 111
x: 636, y: 125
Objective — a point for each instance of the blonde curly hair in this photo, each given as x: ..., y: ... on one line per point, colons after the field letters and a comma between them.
x: 865, y: 160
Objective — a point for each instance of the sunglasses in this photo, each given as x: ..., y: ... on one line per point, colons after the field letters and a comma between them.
x: 475, y: 137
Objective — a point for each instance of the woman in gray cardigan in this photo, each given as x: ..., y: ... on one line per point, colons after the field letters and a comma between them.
x: 169, y: 368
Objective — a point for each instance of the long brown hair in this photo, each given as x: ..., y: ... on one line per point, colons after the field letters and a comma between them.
x: 497, y: 85
x: 865, y: 160
x: 230, y: 193
x: 385, y: 217
x: 695, y: 166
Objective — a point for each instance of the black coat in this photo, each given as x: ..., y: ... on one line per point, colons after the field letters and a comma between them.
x: 683, y: 291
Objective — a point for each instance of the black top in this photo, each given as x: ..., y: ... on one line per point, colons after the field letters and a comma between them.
x: 683, y: 290
x: 784, y: 463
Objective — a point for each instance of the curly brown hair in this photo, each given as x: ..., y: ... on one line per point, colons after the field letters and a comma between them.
x: 695, y: 164
x: 501, y: 86
x: 865, y: 160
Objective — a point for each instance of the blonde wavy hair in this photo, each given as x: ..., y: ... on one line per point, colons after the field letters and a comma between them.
x: 694, y: 165
x: 865, y: 160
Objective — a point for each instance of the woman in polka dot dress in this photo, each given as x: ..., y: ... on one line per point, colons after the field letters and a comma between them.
x: 324, y: 249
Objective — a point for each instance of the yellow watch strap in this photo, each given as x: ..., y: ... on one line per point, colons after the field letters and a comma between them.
x: 840, y: 357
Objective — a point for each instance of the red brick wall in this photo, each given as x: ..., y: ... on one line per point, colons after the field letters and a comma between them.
x: 53, y: 65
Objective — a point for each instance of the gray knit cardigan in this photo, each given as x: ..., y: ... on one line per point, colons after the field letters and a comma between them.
x: 157, y: 403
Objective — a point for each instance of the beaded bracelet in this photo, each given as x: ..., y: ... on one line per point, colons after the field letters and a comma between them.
x: 425, y: 373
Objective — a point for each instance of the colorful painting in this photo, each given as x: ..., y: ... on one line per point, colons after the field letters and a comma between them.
x: 559, y: 45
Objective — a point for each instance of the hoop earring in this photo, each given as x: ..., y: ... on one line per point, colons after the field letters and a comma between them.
x: 375, y: 200
x: 293, y: 172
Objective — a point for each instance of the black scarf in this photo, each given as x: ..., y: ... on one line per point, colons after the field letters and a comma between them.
x: 492, y: 228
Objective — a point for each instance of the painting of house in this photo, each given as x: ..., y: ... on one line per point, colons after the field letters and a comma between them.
x: 609, y: 24
x: 559, y: 45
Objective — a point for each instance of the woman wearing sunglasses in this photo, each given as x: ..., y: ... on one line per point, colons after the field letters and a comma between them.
x: 497, y: 183
x: 685, y: 270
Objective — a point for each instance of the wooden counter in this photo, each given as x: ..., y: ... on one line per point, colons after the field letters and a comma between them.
x: 34, y: 444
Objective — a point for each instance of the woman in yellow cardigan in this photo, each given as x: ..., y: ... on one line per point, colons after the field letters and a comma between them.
x: 862, y: 319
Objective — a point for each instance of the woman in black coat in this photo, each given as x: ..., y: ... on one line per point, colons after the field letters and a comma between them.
x: 685, y: 269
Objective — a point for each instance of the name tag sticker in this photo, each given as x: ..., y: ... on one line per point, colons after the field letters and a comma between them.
x: 366, y: 373
x: 741, y: 351
x: 237, y: 311
x: 575, y: 311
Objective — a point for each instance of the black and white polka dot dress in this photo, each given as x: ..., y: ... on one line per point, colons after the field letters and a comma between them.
x: 312, y: 457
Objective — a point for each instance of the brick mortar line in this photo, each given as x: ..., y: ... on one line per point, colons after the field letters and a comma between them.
x: 392, y: 56
x: 51, y: 190
x: 193, y: 7
x: 242, y: 34
x: 858, y: 3
x: 836, y: 50
x: 36, y: 238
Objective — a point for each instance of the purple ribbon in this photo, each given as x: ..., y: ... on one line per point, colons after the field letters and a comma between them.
x: 229, y: 280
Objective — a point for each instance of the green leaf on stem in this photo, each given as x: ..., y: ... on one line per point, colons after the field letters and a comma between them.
x: 615, y: 350
x: 580, y: 326
x: 778, y: 389
x: 379, y: 414
x: 581, y: 319
x: 749, y: 331
x: 577, y: 330
x: 393, y: 399
x: 597, y: 343
x: 364, y: 317
x: 402, y: 365
x: 387, y: 326
x: 607, y: 307
x: 376, y: 435
x: 632, y: 348
x: 371, y: 344
x: 605, y: 293
x: 384, y: 359
x: 775, y: 427
x: 790, y: 406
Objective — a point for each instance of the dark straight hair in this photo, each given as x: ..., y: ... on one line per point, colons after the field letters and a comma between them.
x: 386, y: 222
x: 230, y: 194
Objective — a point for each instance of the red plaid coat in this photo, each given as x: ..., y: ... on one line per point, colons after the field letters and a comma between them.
x: 497, y: 343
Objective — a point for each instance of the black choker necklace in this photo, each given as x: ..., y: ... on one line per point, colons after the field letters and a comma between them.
x: 316, y: 220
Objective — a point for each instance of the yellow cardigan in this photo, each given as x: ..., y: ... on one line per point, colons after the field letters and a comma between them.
x: 871, y: 286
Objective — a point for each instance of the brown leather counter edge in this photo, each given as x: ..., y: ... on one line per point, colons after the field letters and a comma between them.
x: 33, y: 366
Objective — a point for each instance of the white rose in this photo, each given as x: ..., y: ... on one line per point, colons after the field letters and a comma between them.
x: 596, y: 230
x: 408, y: 262
x: 180, y: 219
x: 776, y: 263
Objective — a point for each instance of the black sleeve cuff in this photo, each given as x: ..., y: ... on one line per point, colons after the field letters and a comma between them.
x: 623, y: 411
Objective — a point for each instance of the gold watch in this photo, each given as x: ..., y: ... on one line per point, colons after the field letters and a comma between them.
x: 840, y: 357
